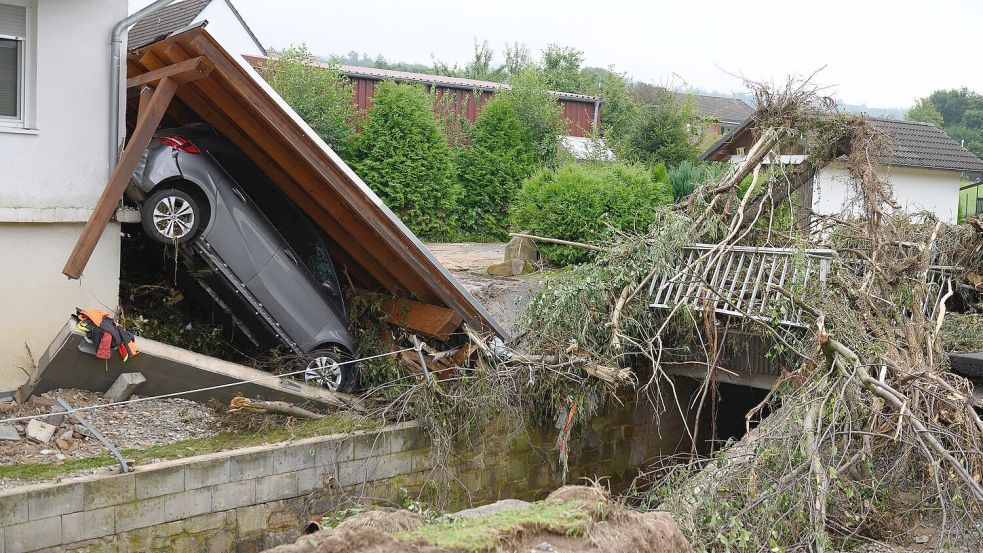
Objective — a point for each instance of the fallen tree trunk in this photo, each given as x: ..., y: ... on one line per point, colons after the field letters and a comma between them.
x: 271, y: 408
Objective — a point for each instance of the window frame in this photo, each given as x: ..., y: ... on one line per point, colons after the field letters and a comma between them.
x: 25, y: 119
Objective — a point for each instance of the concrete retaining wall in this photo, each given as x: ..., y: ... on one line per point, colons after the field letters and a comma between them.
x: 253, y: 498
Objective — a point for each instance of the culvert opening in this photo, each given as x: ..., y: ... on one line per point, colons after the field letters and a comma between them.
x: 726, y: 415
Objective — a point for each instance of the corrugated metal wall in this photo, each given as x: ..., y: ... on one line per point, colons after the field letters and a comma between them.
x: 579, y: 115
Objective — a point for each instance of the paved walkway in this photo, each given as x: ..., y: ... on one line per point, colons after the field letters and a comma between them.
x: 469, y: 256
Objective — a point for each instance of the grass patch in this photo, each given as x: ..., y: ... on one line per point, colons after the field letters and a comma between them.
x: 569, y: 518
x: 332, y: 424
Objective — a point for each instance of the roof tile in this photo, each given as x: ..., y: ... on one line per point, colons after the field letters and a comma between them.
x: 164, y: 21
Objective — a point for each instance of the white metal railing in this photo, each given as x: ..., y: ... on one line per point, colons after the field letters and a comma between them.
x: 740, y: 281
x: 745, y: 281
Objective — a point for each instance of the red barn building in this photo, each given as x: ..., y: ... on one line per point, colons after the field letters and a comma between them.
x: 468, y: 96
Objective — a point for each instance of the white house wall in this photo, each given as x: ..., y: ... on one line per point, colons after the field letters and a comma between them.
x: 222, y: 22
x: 50, y: 178
x: 914, y: 190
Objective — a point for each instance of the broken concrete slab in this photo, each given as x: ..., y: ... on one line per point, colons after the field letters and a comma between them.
x: 8, y: 433
x: 123, y: 388
x: 40, y: 431
x: 168, y: 369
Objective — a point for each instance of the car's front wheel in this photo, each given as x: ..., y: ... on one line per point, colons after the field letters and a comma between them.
x: 171, y: 216
x: 322, y: 367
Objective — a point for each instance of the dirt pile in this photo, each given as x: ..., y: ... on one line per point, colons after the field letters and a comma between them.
x: 573, y: 519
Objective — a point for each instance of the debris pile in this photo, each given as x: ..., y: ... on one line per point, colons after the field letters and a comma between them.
x: 866, y: 406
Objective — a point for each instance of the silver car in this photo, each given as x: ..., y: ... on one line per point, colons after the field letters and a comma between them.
x: 198, y: 193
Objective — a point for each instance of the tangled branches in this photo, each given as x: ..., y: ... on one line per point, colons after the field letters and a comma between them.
x: 870, y: 436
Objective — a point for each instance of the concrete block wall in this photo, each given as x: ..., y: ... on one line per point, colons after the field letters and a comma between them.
x: 254, y: 498
x: 241, y: 500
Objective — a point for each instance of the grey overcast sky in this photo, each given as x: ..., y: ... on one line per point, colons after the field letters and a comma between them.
x: 878, y: 53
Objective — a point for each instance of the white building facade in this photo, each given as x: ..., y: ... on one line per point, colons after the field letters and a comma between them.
x: 914, y: 189
x: 923, y: 165
x: 54, y: 163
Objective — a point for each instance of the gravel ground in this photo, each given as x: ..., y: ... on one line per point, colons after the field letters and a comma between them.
x: 505, y: 298
x: 138, y: 426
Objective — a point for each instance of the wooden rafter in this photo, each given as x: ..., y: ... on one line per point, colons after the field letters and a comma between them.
x: 147, y: 122
x: 183, y: 72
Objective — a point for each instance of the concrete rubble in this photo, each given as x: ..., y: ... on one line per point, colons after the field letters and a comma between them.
x: 39, y: 431
x: 124, y: 387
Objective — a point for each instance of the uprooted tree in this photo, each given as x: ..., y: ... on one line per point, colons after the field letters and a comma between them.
x: 869, y: 434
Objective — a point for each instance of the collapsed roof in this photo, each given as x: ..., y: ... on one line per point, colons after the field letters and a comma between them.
x: 174, y: 17
x: 377, y: 250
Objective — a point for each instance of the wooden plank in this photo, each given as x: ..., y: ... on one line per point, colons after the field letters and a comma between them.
x: 430, y: 320
x: 182, y: 72
x: 113, y: 193
x: 146, y: 93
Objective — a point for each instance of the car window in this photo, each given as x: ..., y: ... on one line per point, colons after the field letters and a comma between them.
x: 306, y: 241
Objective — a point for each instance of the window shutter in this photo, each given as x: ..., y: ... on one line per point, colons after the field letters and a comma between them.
x: 13, y: 20
x: 13, y: 23
x: 9, y: 77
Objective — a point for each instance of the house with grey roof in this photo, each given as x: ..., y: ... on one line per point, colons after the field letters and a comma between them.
x: 924, y: 166
x: 726, y: 113
x: 224, y: 21
x: 715, y: 115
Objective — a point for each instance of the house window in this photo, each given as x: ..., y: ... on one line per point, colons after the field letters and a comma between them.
x: 13, y: 34
x: 979, y: 206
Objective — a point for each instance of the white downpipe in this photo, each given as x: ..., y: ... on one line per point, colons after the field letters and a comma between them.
x: 115, y: 72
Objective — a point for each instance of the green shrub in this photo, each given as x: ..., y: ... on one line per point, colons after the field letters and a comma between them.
x: 660, y: 173
x: 403, y: 156
x: 492, y: 169
x: 322, y: 96
x: 585, y: 203
x: 683, y: 179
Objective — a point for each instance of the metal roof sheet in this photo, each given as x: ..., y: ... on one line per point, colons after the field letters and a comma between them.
x: 441, y: 80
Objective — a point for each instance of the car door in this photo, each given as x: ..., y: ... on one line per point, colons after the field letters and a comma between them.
x: 240, y: 234
x: 291, y: 296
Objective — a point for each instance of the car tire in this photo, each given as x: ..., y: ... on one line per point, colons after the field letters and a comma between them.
x: 171, y: 216
x: 319, y: 369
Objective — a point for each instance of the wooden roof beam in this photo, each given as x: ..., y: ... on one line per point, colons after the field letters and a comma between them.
x: 181, y: 72
x: 147, y: 122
